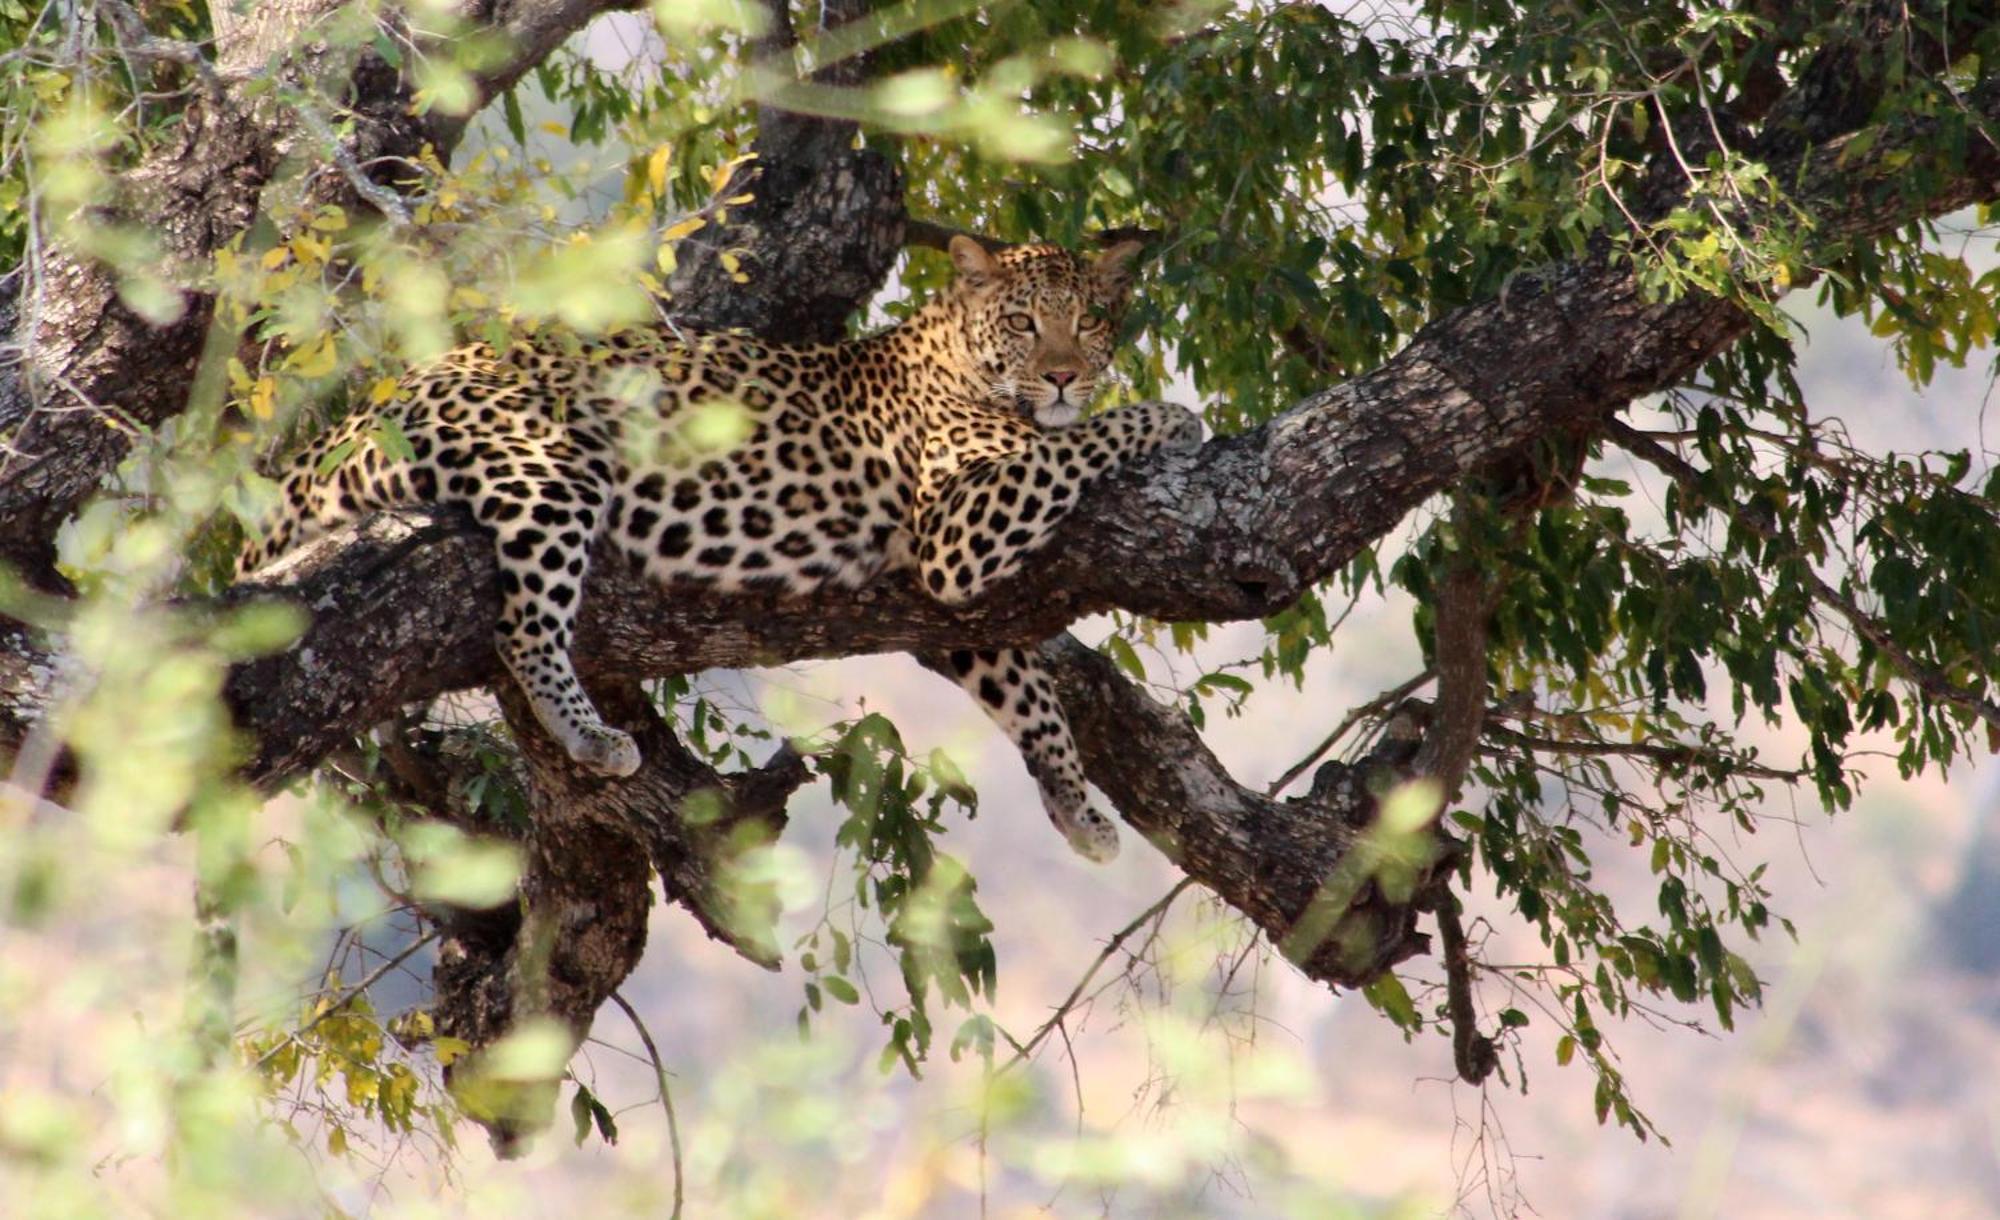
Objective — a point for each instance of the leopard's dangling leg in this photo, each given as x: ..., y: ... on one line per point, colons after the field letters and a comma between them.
x: 542, y: 542
x: 1015, y: 689
x: 978, y: 527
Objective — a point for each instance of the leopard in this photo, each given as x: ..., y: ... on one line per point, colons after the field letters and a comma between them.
x: 949, y: 446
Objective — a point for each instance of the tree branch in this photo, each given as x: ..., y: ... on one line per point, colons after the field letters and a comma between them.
x: 1672, y: 758
x: 1933, y: 683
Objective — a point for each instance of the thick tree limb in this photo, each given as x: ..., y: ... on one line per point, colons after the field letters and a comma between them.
x: 1269, y: 858
x: 823, y: 226
x: 580, y: 926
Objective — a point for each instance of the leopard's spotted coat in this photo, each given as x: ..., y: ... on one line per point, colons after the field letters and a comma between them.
x: 738, y: 463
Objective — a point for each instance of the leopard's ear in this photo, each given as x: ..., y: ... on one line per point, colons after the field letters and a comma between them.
x: 975, y: 266
x: 1113, y: 271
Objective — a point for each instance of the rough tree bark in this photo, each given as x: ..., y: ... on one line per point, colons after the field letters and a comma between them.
x: 403, y: 603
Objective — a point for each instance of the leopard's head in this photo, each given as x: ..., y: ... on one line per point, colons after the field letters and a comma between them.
x: 1040, y: 322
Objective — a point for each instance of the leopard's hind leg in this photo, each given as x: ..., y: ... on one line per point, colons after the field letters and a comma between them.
x: 522, y: 479
x: 545, y: 506
x: 312, y: 500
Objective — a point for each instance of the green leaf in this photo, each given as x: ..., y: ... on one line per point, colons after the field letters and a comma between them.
x: 334, y: 457
x: 510, y: 110
x: 1123, y: 656
x: 1389, y: 997
x: 579, y: 1114
x: 394, y: 444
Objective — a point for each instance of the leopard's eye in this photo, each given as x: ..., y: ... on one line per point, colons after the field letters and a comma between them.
x: 1020, y: 323
x: 1092, y: 322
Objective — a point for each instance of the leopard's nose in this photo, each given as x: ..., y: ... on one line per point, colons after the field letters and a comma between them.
x: 1059, y: 379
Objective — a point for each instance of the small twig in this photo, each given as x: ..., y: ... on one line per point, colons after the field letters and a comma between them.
x: 386, y: 201
x: 375, y: 976
x: 1674, y: 755
x: 666, y: 1096
x: 138, y: 42
x: 933, y: 236
x: 1023, y: 1051
x: 1929, y: 681
x: 1472, y: 1052
x: 1373, y: 707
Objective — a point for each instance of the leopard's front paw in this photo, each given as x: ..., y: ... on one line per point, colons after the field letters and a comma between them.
x: 607, y: 752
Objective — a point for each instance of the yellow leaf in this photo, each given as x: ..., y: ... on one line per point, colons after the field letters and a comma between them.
x: 448, y: 1049
x: 274, y: 258
x: 315, y: 361
x: 730, y: 262
x: 330, y: 220
x: 239, y: 377
x: 382, y: 391
x: 555, y: 129
x: 719, y: 175
x: 262, y: 395
x: 336, y: 1142
x: 681, y: 228
x: 656, y: 170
